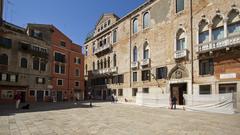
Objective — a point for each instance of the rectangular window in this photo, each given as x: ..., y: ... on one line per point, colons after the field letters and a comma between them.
x: 234, y: 28
x: 43, y: 66
x: 46, y: 93
x: 161, y: 73
x: 63, y: 69
x: 179, y: 5
x: 13, y: 78
x: 203, y: 37
x: 5, y: 43
x: 57, y: 68
x: 145, y: 90
x: 115, y: 79
x: 77, y: 60
x: 7, y: 94
x: 181, y: 44
x: 206, y: 67
x: 205, y: 89
x: 114, y: 36
x: 120, y: 92
x: 218, y: 33
x: 134, y: 92
x: 134, y: 76
x: 63, y: 44
x: 227, y: 88
x: 76, y: 84
x: 40, y: 80
x: 36, y: 63
x: 59, y: 57
x: 120, y: 79
x: 32, y: 93
x: 60, y: 82
x: 146, y: 75
x: 4, y: 77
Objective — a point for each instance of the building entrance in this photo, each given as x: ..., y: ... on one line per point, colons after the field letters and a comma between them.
x: 178, y: 90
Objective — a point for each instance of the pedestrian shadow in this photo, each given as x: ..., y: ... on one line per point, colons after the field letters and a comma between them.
x: 9, y: 109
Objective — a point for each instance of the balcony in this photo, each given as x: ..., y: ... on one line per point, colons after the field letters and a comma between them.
x: 134, y: 64
x: 102, y: 48
x: 180, y: 54
x: 227, y: 42
x: 145, y: 62
x: 105, y: 71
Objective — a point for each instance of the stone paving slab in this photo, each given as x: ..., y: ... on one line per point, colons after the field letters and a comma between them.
x: 115, y: 119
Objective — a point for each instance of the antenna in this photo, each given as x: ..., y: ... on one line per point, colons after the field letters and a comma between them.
x: 9, y: 10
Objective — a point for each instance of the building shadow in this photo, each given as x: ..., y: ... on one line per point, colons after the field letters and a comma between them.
x: 9, y: 109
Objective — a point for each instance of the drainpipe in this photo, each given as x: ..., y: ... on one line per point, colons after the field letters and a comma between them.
x: 130, y: 56
x: 191, y: 27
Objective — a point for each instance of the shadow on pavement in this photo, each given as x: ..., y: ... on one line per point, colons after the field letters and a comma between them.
x: 9, y: 109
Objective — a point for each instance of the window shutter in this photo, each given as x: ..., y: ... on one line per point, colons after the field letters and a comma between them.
x: 37, y: 80
x: 0, y: 76
x: 43, y: 81
x: 200, y: 67
x: 16, y: 78
x: 8, y: 77
x: 75, y: 60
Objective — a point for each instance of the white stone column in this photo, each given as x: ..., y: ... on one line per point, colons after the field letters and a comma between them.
x: 225, y: 27
x: 210, y: 32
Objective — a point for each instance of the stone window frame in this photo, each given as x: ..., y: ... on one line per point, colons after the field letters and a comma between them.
x: 176, y: 37
x: 58, y: 82
x: 149, y: 19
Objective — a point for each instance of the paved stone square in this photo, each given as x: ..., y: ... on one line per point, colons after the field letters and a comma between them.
x: 113, y: 119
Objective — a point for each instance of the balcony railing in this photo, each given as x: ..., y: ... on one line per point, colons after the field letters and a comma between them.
x: 102, y: 48
x: 134, y: 64
x: 180, y: 54
x: 219, y: 44
x: 145, y: 62
x: 105, y: 71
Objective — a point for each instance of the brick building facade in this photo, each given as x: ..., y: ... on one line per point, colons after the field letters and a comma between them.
x: 67, y: 81
x: 166, y: 47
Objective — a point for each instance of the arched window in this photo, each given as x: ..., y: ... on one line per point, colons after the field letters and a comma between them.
x: 105, y: 63
x: 24, y: 63
x: 108, y: 62
x: 135, y: 25
x: 135, y: 54
x: 101, y: 64
x: 4, y: 59
x: 203, y: 32
x: 146, y: 20
x: 217, y: 30
x: 233, y: 22
x: 145, y: 51
x: 93, y: 65
x: 114, y: 60
x: 181, y: 45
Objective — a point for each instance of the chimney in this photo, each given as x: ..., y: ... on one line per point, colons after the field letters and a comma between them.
x: 1, y: 12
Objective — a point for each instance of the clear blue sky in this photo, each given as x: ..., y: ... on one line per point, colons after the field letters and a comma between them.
x: 75, y: 18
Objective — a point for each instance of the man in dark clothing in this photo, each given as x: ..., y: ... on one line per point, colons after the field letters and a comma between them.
x: 174, y: 102
x: 90, y: 98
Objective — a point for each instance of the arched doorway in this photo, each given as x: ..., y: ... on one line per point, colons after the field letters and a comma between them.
x: 178, y: 85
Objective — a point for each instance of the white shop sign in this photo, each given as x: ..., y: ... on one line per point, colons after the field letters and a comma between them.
x: 228, y: 76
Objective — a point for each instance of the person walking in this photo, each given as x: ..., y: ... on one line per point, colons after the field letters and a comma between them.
x: 174, y: 102
x: 18, y: 99
x: 113, y: 98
